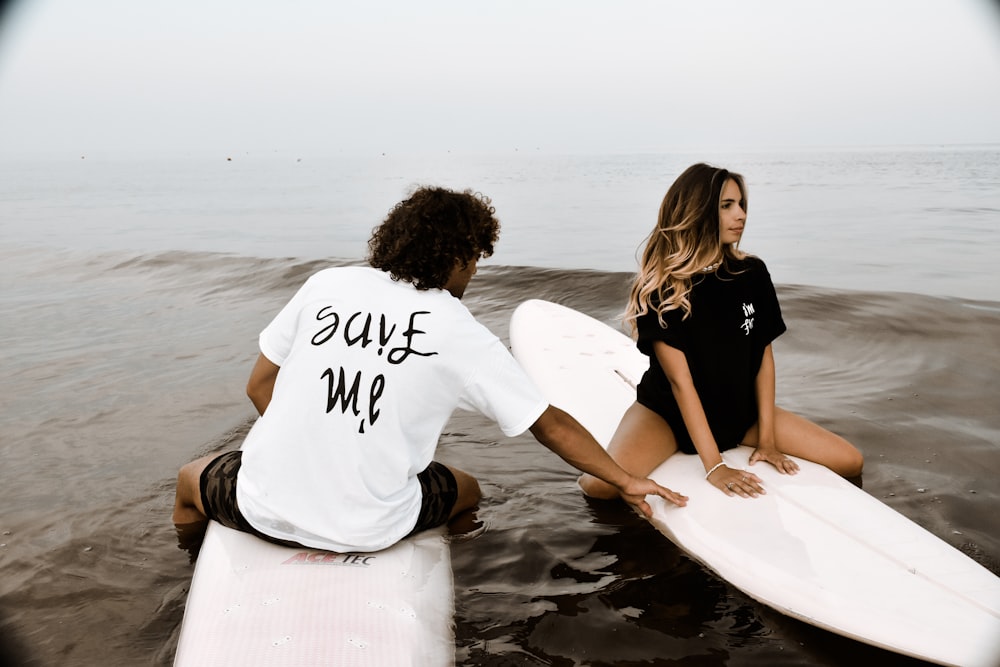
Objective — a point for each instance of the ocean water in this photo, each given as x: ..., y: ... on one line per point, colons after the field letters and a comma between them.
x: 133, y: 290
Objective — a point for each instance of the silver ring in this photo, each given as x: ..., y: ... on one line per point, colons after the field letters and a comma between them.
x: 729, y: 486
x: 744, y: 478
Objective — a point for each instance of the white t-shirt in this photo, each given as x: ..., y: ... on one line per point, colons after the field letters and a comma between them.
x: 371, y: 370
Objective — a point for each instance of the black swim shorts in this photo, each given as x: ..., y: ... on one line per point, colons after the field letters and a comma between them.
x: 438, y: 489
x: 438, y: 494
x: 218, y: 496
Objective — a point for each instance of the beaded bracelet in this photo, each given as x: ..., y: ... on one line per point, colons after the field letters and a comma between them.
x: 714, y: 468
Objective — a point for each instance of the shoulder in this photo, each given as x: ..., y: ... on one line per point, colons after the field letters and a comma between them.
x: 360, y: 278
x: 335, y: 274
x: 750, y: 263
x: 749, y: 269
x: 342, y: 272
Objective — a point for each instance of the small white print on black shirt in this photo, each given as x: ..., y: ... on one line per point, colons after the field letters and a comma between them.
x: 748, y: 321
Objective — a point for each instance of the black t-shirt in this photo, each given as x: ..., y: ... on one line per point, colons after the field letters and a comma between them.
x: 734, y: 317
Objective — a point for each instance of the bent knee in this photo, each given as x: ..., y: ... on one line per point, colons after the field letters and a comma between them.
x: 469, y: 492
x: 593, y: 487
x: 858, y: 465
x: 190, y: 473
x: 852, y: 464
x: 186, y: 475
x: 189, y: 480
x: 472, y: 490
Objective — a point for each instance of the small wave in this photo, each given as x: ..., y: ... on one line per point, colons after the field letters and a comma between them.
x: 221, y: 271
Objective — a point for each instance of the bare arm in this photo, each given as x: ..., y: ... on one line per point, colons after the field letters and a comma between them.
x: 260, y: 386
x: 566, y: 437
x: 675, y: 366
x: 729, y: 480
x: 765, y: 400
x: 767, y: 448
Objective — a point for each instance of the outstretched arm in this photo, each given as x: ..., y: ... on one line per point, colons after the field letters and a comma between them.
x: 260, y: 386
x: 565, y: 436
x: 729, y: 480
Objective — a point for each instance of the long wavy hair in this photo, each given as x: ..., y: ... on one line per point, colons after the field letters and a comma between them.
x: 424, y: 236
x: 684, y: 242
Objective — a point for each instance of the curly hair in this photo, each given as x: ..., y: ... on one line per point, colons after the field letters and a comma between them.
x: 425, y: 235
x: 684, y: 241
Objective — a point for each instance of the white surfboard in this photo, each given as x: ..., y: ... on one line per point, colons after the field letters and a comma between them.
x: 815, y: 547
x: 256, y: 603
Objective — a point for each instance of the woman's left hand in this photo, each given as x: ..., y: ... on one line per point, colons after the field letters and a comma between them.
x: 785, y: 465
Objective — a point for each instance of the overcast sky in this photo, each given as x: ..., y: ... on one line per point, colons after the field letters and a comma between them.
x: 330, y: 77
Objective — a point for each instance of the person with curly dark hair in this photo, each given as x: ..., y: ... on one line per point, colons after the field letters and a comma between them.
x: 423, y: 236
x: 356, y: 379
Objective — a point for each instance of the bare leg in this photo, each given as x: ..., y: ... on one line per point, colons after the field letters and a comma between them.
x: 469, y: 493
x: 642, y: 441
x: 800, y: 437
x: 187, y: 502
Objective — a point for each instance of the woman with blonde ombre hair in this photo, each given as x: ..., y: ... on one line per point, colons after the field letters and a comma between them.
x: 706, y: 314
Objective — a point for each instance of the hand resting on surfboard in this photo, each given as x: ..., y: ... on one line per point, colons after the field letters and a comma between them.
x: 566, y: 437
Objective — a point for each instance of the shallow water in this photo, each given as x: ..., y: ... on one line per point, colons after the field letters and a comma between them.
x: 132, y: 294
x: 120, y: 368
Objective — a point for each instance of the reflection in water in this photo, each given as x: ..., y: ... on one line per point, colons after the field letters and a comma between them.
x: 190, y: 537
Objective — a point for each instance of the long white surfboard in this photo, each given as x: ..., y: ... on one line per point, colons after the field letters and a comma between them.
x: 256, y: 603
x: 815, y: 547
